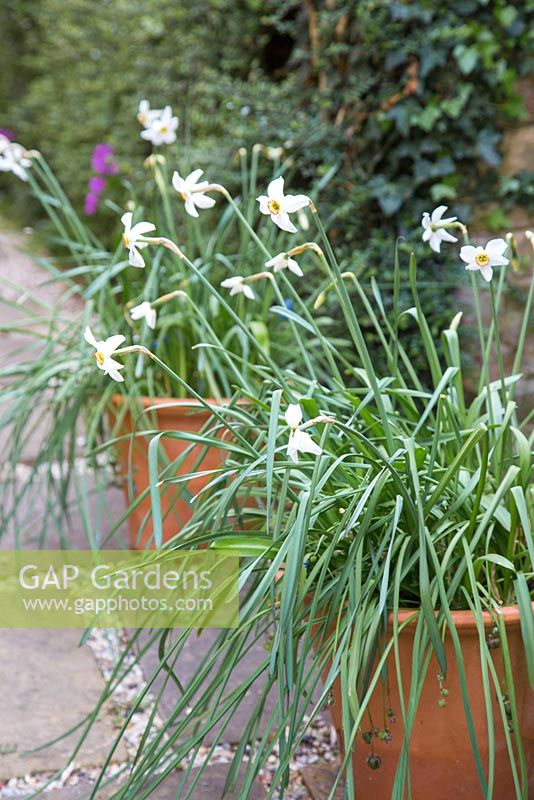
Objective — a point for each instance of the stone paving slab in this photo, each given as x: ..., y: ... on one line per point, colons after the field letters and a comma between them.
x: 319, y: 780
x: 49, y: 685
x: 209, y: 787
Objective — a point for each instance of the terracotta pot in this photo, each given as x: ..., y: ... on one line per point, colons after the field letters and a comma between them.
x: 172, y: 414
x: 441, y: 760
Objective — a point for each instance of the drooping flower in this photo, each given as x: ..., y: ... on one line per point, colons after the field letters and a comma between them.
x: 133, y: 238
x: 145, y: 311
x: 191, y: 192
x: 299, y: 441
x: 484, y: 258
x: 284, y: 261
x: 102, y: 160
x: 147, y: 115
x: 279, y: 205
x: 434, y: 231
x: 161, y: 129
x: 13, y: 158
x: 104, y: 351
x: 237, y: 285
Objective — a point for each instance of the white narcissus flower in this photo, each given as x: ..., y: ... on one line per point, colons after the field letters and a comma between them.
x: 13, y: 158
x: 283, y: 261
x: 133, y: 238
x: 299, y: 440
x: 161, y: 129
x: 484, y: 258
x: 279, y: 205
x: 191, y: 192
x: 433, y: 228
x: 147, y: 115
x: 237, y: 285
x: 104, y: 350
x: 145, y: 311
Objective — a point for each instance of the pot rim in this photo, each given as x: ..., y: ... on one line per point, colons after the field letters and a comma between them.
x: 464, y: 618
x: 170, y: 403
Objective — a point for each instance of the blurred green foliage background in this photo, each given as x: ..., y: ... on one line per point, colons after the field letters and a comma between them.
x: 408, y: 100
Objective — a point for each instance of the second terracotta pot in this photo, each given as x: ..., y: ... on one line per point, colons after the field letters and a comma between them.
x: 442, y: 765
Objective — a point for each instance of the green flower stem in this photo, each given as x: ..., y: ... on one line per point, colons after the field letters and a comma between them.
x: 162, y: 183
x: 216, y: 187
x: 301, y: 344
x: 500, y: 361
x: 138, y: 348
x: 170, y: 245
x: 355, y: 329
x: 484, y: 371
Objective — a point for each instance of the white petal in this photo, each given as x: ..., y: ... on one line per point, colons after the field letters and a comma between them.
x: 437, y: 214
x: 294, y: 202
x: 126, y: 220
x: 446, y: 236
x: 293, y: 415
x: 427, y: 234
x: 275, y: 190
x: 149, y: 134
x: 140, y: 311
x: 283, y: 222
x: 496, y: 247
x: 112, y: 342
x: 229, y: 283
x: 498, y: 261
x: 303, y: 442
x: 113, y: 373
x: 468, y: 253
x: 203, y: 201
x: 141, y: 228
x: 434, y: 241
x: 425, y: 221
x: 190, y: 206
x: 263, y: 200
x: 487, y: 273
x: 135, y: 258
x: 151, y: 318
x: 294, y: 267
x: 89, y: 337
x: 178, y: 182
x: 193, y: 177
x: 247, y: 291
x: 278, y: 262
x: 292, y: 450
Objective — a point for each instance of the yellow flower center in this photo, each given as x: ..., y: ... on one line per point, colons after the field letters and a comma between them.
x: 125, y: 240
x: 164, y: 129
x: 482, y: 259
x: 100, y: 358
x: 183, y: 196
x: 274, y: 206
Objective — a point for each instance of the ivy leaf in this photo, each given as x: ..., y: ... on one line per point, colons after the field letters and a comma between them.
x: 427, y: 118
x: 466, y: 57
x: 388, y: 195
x: 486, y: 147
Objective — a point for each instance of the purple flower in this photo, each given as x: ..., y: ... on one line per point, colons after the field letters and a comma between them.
x: 97, y: 184
x: 103, y: 161
x: 8, y: 134
x: 91, y: 203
